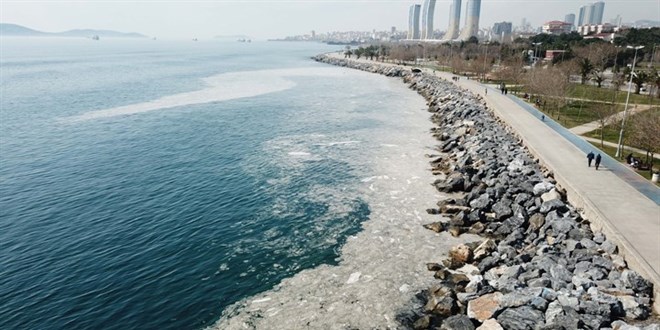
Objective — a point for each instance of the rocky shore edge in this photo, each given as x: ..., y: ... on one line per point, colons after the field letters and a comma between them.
x: 539, y: 265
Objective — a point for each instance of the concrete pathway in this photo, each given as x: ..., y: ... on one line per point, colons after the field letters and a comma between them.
x: 622, y: 204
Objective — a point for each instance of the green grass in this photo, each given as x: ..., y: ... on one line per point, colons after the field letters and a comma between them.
x: 607, y: 95
x: 576, y: 113
x: 611, y: 131
x: 611, y: 151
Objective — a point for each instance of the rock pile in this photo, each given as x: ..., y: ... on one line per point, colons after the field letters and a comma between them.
x: 539, y: 265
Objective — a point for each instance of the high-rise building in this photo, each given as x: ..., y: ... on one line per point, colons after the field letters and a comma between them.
x: 502, y: 31
x: 597, y: 13
x: 427, y: 19
x: 413, y: 22
x: 591, y: 14
x: 588, y: 14
x: 581, y: 16
x: 570, y: 18
x: 502, y: 27
x: 454, y: 20
x: 471, y: 27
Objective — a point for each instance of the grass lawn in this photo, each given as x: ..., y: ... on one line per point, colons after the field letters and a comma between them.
x: 611, y: 131
x: 607, y: 95
x: 576, y: 113
x: 611, y: 151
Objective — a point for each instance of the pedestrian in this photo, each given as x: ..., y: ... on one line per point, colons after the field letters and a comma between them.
x: 506, y: 91
x: 597, y: 161
x: 486, y: 91
x: 590, y: 157
x: 542, y: 117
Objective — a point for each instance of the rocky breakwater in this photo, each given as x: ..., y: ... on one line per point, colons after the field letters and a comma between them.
x: 539, y: 265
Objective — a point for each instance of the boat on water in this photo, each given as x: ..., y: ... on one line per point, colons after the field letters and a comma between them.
x: 95, y: 37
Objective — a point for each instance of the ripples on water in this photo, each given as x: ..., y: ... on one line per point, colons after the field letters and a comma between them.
x: 161, y: 219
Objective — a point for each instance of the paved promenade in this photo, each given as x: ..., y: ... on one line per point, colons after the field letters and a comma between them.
x: 617, y: 201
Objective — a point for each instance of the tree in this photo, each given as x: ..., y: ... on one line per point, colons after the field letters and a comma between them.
x: 639, y: 78
x: 586, y: 67
x: 552, y: 82
x: 348, y: 52
x: 645, y: 132
x: 655, y: 80
x: 511, y: 70
x: 605, y: 114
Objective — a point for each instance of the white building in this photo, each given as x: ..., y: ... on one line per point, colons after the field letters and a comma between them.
x: 427, y: 19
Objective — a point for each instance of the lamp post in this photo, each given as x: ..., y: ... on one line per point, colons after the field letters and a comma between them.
x: 536, y: 48
x: 619, y: 146
x: 485, y: 59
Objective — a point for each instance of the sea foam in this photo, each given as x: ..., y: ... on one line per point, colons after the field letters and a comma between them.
x: 221, y: 87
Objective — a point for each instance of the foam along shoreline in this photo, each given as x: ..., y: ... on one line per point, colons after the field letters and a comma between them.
x: 381, y: 268
x: 539, y: 264
x: 222, y: 87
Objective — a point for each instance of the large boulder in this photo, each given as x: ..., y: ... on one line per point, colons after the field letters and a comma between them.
x: 484, y: 307
x: 520, y: 318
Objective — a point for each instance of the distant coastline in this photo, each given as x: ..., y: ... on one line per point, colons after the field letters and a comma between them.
x: 14, y: 30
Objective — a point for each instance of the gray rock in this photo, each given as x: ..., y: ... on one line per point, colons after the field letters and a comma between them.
x: 599, y: 238
x: 550, y: 195
x: 542, y: 188
x: 593, y: 322
x: 502, y: 209
x: 609, y: 247
x: 636, y: 282
x: 539, y: 283
x: 482, y: 202
x: 621, y: 325
x: 520, y: 318
x: 549, y: 294
x: 520, y: 297
x: 536, y: 221
x: 602, y: 262
x: 441, y: 301
x: 484, y: 249
x: 465, y: 297
x: 457, y: 322
x: 559, y: 272
x: 491, y: 324
x: 633, y: 309
x: 539, y: 303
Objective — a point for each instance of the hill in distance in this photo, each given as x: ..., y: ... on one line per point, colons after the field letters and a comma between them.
x: 14, y: 30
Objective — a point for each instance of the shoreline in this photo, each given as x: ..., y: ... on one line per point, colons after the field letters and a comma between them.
x: 520, y: 255
x: 511, y: 254
x: 378, y: 273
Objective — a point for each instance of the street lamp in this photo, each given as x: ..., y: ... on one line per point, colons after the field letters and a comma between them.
x: 485, y: 59
x: 619, y: 146
x: 536, y: 47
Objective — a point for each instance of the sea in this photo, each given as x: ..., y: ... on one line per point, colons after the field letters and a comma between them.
x: 148, y: 184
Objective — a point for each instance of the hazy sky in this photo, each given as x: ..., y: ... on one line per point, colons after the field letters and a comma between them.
x: 273, y: 18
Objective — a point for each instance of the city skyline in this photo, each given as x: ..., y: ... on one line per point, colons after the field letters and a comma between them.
x: 206, y: 19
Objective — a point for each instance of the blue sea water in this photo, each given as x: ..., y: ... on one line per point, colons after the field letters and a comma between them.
x: 161, y: 218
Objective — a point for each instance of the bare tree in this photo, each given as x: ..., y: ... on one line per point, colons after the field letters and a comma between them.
x: 606, y: 115
x: 645, y: 133
x: 511, y: 70
x: 553, y: 83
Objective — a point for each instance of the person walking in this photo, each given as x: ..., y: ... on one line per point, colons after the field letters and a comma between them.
x: 486, y: 91
x: 590, y: 157
x: 597, y: 161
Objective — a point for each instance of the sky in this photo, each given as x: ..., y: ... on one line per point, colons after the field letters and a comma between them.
x: 263, y: 19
